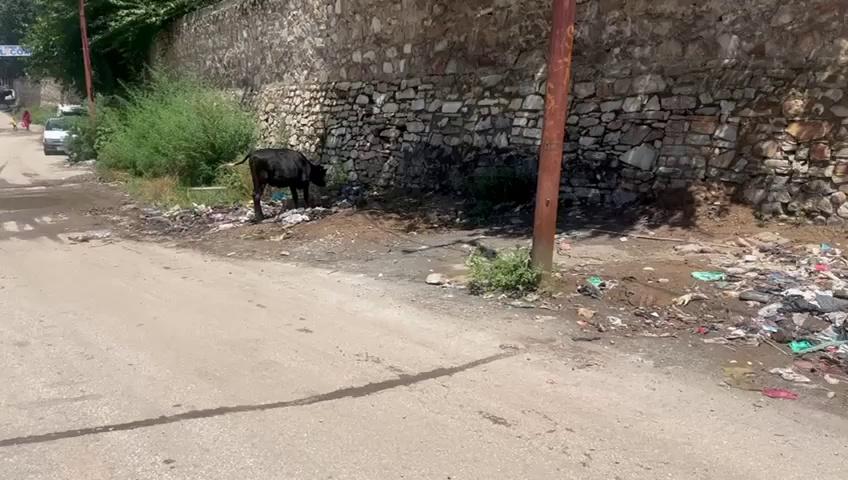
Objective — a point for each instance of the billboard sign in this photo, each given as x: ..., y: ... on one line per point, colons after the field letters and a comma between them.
x: 13, y: 51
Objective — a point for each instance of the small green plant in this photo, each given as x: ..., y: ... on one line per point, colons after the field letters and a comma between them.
x: 508, y: 272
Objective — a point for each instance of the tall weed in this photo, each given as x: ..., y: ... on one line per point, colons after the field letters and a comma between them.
x: 178, y: 128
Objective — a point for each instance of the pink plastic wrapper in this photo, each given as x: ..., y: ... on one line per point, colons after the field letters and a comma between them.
x: 780, y: 393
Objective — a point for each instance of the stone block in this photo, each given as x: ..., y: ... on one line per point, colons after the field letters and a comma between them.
x: 724, y: 160
x: 451, y: 107
x: 415, y: 127
x: 679, y: 102
x: 636, y: 135
x: 839, y: 110
x: 807, y: 131
x: 768, y: 149
x: 650, y: 83
x: 534, y: 133
x: 611, y: 105
x: 632, y: 104
x: 698, y: 139
x: 642, y: 157
x: 705, y: 126
x: 584, y: 89
x: 728, y: 132
x: 407, y: 94
x: 533, y: 102
x: 585, y: 107
x: 820, y: 152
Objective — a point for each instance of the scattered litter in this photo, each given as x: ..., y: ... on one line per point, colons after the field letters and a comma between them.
x: 436, y: 279
x: 831, y: 395
x: 285, y: 253
x: 798, y: 346
x: 693, y: 248
x: 520, y: 304
x: 754, y: 296
x: 86, y: 237
x: 780, y: 393
x: 585, y: 339
x: 830, y: 379
x: 709, y: 276
x: 616, y: 322
x: 822, y: 346
x: 594, y: 287
x: 790, y: 375
x: 684, y: 300
x: 586, y: 313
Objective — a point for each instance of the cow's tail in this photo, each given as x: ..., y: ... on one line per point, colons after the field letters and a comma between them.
x: 246, y: 158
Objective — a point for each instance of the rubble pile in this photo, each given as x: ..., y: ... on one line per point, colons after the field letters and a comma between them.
x: 205, y: 219
x: 798, y: 294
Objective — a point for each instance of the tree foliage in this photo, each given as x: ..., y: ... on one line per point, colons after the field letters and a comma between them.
x: 121, y: 34
x: 16, y: 16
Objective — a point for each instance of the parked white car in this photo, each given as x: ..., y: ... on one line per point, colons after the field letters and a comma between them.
x: 65, y: 110
x: 54, y: 139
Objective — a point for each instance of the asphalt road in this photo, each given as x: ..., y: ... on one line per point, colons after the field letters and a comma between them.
x: 123, y: 360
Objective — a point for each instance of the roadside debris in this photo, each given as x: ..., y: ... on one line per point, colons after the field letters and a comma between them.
x: 684, y: 300
x: 780, y: 393
x: 205, y: 219
x: 790, y: 375
x: 436, y: 279
x: 86, y: 237
x: 709, y: 276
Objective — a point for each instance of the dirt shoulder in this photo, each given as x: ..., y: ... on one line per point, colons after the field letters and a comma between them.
x: 650, y: 304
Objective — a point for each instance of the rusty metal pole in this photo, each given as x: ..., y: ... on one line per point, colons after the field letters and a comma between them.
x: 86, y: 57
x: 553, y: 133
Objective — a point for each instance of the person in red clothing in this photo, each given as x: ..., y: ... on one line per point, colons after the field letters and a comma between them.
x: 26, y: 120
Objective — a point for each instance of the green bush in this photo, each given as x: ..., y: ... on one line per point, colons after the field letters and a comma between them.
x: 509, y: 272
x: 178, y: 128
x: 89, y: 135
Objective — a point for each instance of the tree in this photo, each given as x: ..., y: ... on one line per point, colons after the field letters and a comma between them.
x: 122, y: 33
x: 16, y: 16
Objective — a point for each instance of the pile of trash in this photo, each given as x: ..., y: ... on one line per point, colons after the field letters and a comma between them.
x: 205, y: 219
x: 800, y: 294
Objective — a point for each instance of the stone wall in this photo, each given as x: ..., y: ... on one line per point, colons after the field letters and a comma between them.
x: 666, y: 93
x: 44, y: 93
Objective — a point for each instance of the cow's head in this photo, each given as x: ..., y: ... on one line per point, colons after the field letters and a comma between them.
x: 318, y: 175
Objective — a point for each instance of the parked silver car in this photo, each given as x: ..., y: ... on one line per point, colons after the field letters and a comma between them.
x: 55, y: 136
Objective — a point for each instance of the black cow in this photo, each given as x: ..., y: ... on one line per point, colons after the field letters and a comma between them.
x: 282, y: 167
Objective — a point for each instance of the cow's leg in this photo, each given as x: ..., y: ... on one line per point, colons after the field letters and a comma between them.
x: 306, y: 196
x: 294, y: 196
x: 258, y: 189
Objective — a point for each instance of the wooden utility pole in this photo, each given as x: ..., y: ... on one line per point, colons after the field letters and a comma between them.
x: 553, y: 133
x: 86, y: 58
